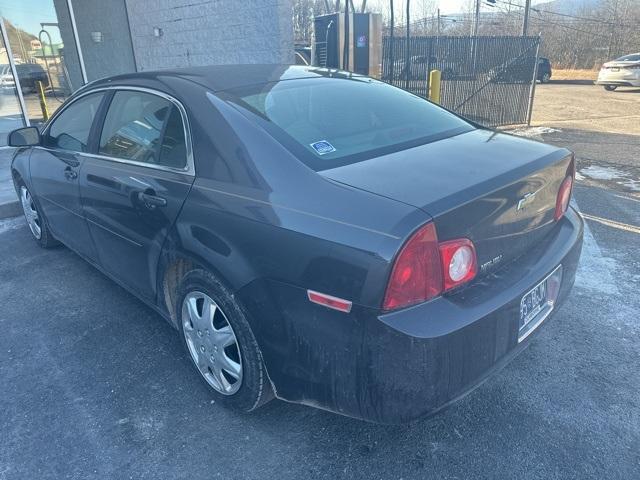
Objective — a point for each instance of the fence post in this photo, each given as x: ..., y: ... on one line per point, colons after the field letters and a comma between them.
x: 532, y: 90
x: 434, y: 86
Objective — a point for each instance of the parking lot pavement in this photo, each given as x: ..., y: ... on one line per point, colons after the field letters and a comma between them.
x: 587, y: 107
x: 96, y: 385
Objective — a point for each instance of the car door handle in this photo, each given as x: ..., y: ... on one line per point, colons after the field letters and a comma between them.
x: 151, y: 201
x: 70, y: 173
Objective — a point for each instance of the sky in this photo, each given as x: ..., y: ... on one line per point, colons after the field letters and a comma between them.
x: 28, y: 14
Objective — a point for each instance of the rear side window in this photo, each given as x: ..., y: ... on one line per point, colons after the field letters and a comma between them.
x: 70, y: 130
x: 144, y: 128
x: 332, y: 122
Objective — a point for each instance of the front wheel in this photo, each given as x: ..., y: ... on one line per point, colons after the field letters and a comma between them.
x: 546, y: 78
x: 610, y: 88
x: 217, y: 335
x: 35, y: 220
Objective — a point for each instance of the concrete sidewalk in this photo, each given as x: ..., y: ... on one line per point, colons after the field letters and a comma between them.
x: 9, y: 205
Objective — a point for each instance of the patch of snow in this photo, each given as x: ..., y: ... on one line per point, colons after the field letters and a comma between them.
x: 533, y: 131
x: 602, y: 173
x: 595, y: 271
x: 632, y: 185
x: 579, y: 176
x: 12, y: 224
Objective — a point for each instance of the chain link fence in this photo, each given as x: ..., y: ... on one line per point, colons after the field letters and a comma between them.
x: 487, y: 79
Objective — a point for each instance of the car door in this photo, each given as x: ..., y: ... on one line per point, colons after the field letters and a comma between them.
x: 55, y: 167
x: 134, y: 186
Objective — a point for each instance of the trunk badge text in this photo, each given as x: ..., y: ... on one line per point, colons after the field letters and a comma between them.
x: 485, y: 266
x: 524, y: 201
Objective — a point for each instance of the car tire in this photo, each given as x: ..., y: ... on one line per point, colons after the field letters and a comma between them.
x: 610, y: 88
x: 546, y: 78
x: 201, y: 337
x: 36, y: 220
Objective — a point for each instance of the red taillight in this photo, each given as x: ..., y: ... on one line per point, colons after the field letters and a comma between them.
x: 425, y: 268
x: 417, y: 274
x: 564, y: 193
x: 458, y: 262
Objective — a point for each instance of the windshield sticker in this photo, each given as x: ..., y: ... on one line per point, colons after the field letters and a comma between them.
x: 322, y: 147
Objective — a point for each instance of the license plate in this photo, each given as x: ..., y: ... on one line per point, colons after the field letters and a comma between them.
x: 537, y: 303
x: 615, y: 69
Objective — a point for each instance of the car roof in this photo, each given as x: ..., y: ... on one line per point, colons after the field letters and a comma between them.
x: 225, y: 77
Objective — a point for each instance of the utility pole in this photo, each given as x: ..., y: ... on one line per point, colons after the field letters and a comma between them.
x: 476, y: 19
x: 438, y: 22
x: 525, y: 20
x: 612, y: 29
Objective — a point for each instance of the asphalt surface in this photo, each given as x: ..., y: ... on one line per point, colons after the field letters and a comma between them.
x: 587, y: 107
x: 96, y: 385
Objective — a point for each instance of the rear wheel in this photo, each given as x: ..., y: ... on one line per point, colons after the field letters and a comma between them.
x: 217, y: 335
x: 35, y: 220
x: 610, y: 88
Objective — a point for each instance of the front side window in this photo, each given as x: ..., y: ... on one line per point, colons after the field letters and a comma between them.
x: 70, y: 130
x: 144, y: 128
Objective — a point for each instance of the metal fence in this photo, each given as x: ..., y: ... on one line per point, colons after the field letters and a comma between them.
x: 487, y: 79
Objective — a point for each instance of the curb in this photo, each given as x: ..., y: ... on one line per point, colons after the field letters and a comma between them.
x: 9, y: 209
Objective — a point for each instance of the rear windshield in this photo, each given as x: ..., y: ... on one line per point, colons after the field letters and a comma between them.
x: 329, y: 122
x: 629, y: 58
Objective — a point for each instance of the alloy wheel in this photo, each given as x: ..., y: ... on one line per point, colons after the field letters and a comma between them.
x: 30, y: 212
x: 212, y: 343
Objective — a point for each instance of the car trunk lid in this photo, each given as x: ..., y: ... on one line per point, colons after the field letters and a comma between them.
x: 497, y: 190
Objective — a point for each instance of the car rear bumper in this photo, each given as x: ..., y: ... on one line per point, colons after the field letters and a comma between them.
x: 628, y: 78
x: 395, y: 367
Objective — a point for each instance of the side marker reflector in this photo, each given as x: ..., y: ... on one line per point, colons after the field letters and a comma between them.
x: 328, y: 301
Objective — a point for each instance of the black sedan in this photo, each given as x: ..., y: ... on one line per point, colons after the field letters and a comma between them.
x: 314, y: 235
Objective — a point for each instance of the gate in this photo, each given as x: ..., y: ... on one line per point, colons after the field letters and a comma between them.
x: 489, y: 80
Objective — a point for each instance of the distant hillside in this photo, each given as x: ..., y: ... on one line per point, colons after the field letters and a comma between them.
x: 570, y: 7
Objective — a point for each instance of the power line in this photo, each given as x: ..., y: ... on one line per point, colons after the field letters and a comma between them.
x: 576, y: 17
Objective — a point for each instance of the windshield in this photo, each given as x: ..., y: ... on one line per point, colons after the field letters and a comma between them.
x: 629, y: 58
x: 328, y: 122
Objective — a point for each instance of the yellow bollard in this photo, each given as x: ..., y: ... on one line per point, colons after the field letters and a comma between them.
x: 43, y: 101
x: 434, y: 86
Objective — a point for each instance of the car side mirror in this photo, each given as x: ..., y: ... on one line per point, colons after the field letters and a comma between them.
x: 24, y: 137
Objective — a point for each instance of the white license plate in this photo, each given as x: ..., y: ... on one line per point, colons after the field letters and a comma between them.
x: 537, y: 303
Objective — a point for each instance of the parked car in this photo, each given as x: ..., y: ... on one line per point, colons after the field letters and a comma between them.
x: 7, y: 82
x: 28, y: 75
x: 621, y: 72
x: 313, y: 235
x: 521, y: 71
x: 544, y: 70
x: 420, y: 65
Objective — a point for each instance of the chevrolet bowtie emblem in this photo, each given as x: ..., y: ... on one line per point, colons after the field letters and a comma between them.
x: 524, y: 201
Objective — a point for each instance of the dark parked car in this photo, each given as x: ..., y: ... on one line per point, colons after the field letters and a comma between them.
x: 521, y: 71
x: 31, y: 73
x: 317, y: 236
x: 544, y: 70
